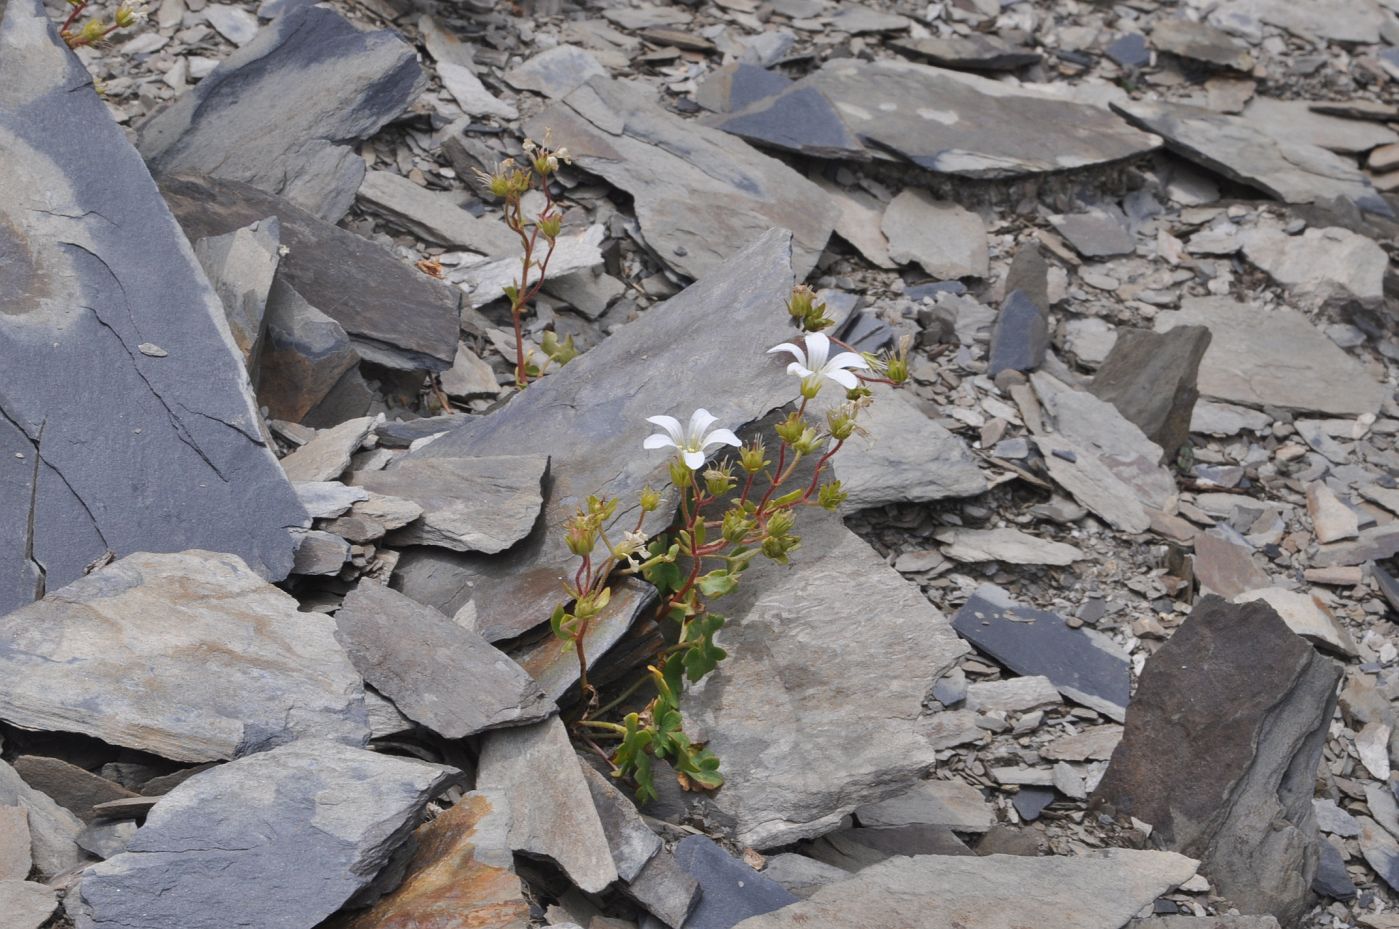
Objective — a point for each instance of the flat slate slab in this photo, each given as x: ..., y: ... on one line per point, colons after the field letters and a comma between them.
x: 227, y: 664
x: 282, y: 112
x: 281, y: 838
x: 127, y: 422
x: 1085, y: 665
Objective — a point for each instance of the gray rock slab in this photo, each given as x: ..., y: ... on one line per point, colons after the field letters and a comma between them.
x: 1381, y: 851
x: 26, y: 905
x: 1374, y: 544
x: 16, y: 856
x: 838, y: 640
x: 397, y: 316
x: 955, y: 804
x: 665, y: 890
x: 795, y: 117
x: 1095, y: 744
x: 327, y: 456
x: 229, y: 665
x: 555, y: 669
x: 471, y: 95
x: 1014, y: 695
x: 320, y: 553
x: 107, y: 837
x: 738, y: 85
x: 800, y: 875
x: 1085, y: 665
x: 1200, y: 42
x: 730, y: 891
x: 1331, y: 818
x: 438, y: 673
x: 555, y: 72
x: 1305, y: 616
x: 127, y: 422
x: 975, y: 52
x: 1332, y: 879
x: 701, y: 195
x: 1275, y: 357
x: 308, y: 825
x: 1151, y: 379
x: 1224, y: 565
x: 1098, y: 890
x: 305, y: 354
x: 240, y: 123
x: 1321, y: 267
x: 1291, y: 171
x: 857, y: 849
x: 486, y: 281
x: 551, y: 808
x: 469, y: 504
x: 1337, y: 20
x: 72, y: 787
x: 944, y: 239
x: 324, y: 499
x: 1019, y: 335
x: 1296, y: 121
x: 630, y: 840
x: 859, y: 222
x: 1226, y: 419
x: 590, y: 419
x: 52, y: 830
x: 1008, y: 545
x: 1242, y: 706
x: 1096, y: 233
x: 1093, y: 484
x: 241, y: 265
x: 433, y: 216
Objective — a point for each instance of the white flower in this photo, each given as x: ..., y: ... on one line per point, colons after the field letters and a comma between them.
x: 691, y: 441
x: 812, y: 363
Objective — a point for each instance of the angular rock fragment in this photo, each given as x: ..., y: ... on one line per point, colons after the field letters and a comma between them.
x: 1337, y: 20
x: 240, y: 123
x: 304, y: 355
x: 975, y: 52
x: 1381, y: 851
x: 800, y: 875
x: 1093, y: 484
x: 1085, y: 665
x: 730, y: 891
x: 487, y: 281
x: 1150, y: 377
x: 1332, y: 879
x: 229, y: 665
x: 1096, y: 233
x: 1200, y: 42
x: 241, y: 265
x: 432, y: 216
x: 1324, y: 267
x: 70, y: 786
x: 1332, y: 520
x: 471, y: 95
x: 738, y: 85
x: 320, y: 553
x: 665, y: 889
x: 859, y: 222
x: 1020, y: 336
x: 1094, y: 744
x: 1374, y: 544
x: 1224, y: 564
x: 1016, y: 695
x: 555, y: 669
x: 307, y: 825
x: 26, y: 905
x: 944, y: 239
x: 1297, y: 121
x: 1305, y: 616
x: 436, y: 672
x: 555, y: 72
x: 327, y: 456
x: 630, y: 840
x: 954, y: 804
x: 1242, y: 705
x: 1008, y: 545
x: 50, y: 832
x: 16, y: 859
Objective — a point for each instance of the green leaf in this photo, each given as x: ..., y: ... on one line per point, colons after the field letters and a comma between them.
x: 666, y: 577
x: 787, y: 499
x: 703, y: 655
x: 717, y: 583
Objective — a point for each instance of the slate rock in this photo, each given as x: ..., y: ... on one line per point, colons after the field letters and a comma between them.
x: 700, y: 195
x: 1020, y: 335
x: 240, y: 123
x: 795, y: 117
x: 486, y: 281
x: 1151, y: 378
x: 1030, y: 802
x: 1101, y: 233
x: 320, y: 553
x: 1296, y: 120
x: 1323, y: 267
x: 554, y: 72
x: 304, y: 355
x: 1084, y: 664
x: 1090, y: 482
x: 555, y: 669
x: 1337, y: 20
x: 954, y: 804
x: 857, y: 849
x: 1007, y: 545
x: 1273, y: 358
x: 1332, y: 880
x: 1331, y: 519
x: 1095, y: 744
x: 438, y: 673
x: 432, y: 216
x: 946, y: 240
x: 106, y: 838
x: 69, y: 785
x: 396, y: 315
x: 1242, y: 706
x: 975, y: 52
x: 1381, y: 851
x: 234, y: 23
x: 1097, y: 890
x: 471, y: 95
x: 81, y: 296
x: 1305, y: 616
x: 1130, y: 51
x: 1029, y: 272
x: 737, y: 85
x: 730, y: 891
x: 230, y: 666
x: 51, y: 830
x: 630, y: 840
x: 1201, y: 43
x: 308, y: 825
x: 1015, y: 695
x: 461, y: 875
x: 1374, y: 544
x: 241, y: 265
x: 16, y: 859
x: 26, y: 905
x: 327, y: 456
x: 838, y: 640
x: 1224, y: 564
x: 665, y: 890
x: 800, y: 875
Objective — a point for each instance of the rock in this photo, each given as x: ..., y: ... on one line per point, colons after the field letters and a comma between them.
x: 1151, y: 378
x: 839, y: 640
x: 589, y: 418
x: 665, y: 889
x: 730, y: 891
x: 239, y: 123
x: 1098, y: 890
x: 1296, y: 121
x: 241, y: 265
x: 954, y: 804
x: 975, y: 52
x: 1381, y: 851
x: 1092, y: 484
x: 1321, y: 266
x: 461, y: 875
x: 944, y: 239
x: 800, y: 875
x: 1030, y: 802
x: 551, y: 810
x: 320, y: 553
x: 738, y: 84
x: 471, y: 95
x: 69, y: 785
x: 107, y: 837
x: 1337, y: 20
x: 1204, y: 922
x: 396, y: 315
x: 469, y: 377
x: 308, y: 824
x: 1305, y: 616
x: 1008, y: 545
x: 1242, y: 705
x: 1331, y: 818
x: 1129, y: 51
x: 1224, y: 566
x: 433, y: 217
x: 555, y: 669
x: 555, y: 72
x: 16, y: 860
x: 81, y: 297
x: 857, y: 849
x: 327, y: 456
x: 304, y: 355
x: 217, y: 681
x: 325, y: 499
x: 486, y: 281
x: 858, y: 20
x: 697, y: 209
x: 1332, y: 879
x: 1200, y: 42
x: 1225, y: 419
x: 1020, y: 336
x: 1273, y: 358
x: 1331, y: 519
x: 1374, y: 544
x: 1016, y: 695
x: 26, y: 905
x: 50, y: 832
x: 1085, y: 665
x: 1293, y: 172
x: 1096, y: 233
x: 234, y: 23
x: 630, y: 840
x: 438, y: 673
x: 1094, y: 744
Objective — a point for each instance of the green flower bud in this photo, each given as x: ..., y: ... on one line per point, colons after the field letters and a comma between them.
x: 718, y: 481
x: 751, y: 458
x: 809, y: 441
x: 550, y: 225
x: 650, y: 499
x: 800, y: 304
x: 841, y: 423
x: 781, y: 523
x: 680, y: 473
x: 737, y: 525
x: 831, y: 496
x: 791, y: 428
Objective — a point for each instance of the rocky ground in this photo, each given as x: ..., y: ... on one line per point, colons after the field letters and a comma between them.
x: 1103, y: 637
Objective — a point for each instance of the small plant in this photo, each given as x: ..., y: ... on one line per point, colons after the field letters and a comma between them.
x: 128, y: 14
x: 729, y: 513
x: 511, y: 183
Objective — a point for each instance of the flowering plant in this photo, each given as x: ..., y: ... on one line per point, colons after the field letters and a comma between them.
x: 128, y: 13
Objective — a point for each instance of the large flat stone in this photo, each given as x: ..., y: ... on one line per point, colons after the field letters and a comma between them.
x: 431, y: 215
x: 242, y: 122
x: 1275, y: 357
x: 946, y: 240
x: 1327, y: 266
x: 1296, y: 121
x: 1241, y: 707
x: 838, y: 641
x: 955, y: 804
x: 52, y: 834
x: 281, y: 838
x: 1091, y: 482
x: 1151, y: 379
x: 26, y: 905
x: 701, y: 195
x: 227, y: 665
x: 127, y: 422
x: 630, y: 840
x: 1337, y: 20
x: 304, y: 355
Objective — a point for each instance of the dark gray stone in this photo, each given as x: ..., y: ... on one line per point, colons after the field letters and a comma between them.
x: 798, y: 118
x: 1028, y: 272
x: 241, y: 123
x: 975, y: 52
x: 241, y: 265
x: 730, y: 891
x: 801, y: 875
x: 1241, y: 705
x: 665, y: 890
x: 320, y: 553
x: 304, y: 355
x: 738, y: 85
x: 1332, y: 880
x: 397, y: 316
x: 554, y: 72
x: 70, y: 786
x: 857, y: 849
x: 1030, y: 802
x: 555, y: 669
x: 1129, y: 51
x: 127, y: 422
x: 1085, y: 665
x: 1151, y: 378
x: 432, y: 215
x: 630, y: 840
x: 1020, y: 335
x: 307, y: 825
x: 1100, y: 233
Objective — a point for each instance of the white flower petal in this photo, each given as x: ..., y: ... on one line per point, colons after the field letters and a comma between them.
x: 671, y: 425
x: 799, y: 369
x: 847, y: 360
x: 722, y: 437
x: 818, y: 346
x: 701, y: 420
x: 694, y: 460
x: 844, y: 379
x: 794, y: 350
x: 659, y: 441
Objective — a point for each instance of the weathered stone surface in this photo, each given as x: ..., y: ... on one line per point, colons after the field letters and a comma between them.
x: 461, y: 876
x: 837, y: 641
x: 469, y: 377
x: 954, y: 804
x: 16, y: 859
x: 665, y: 889
x: 1331, y: 519
x: 1338, y: 20
x: 241, y: 124
x: 700, y: 194
x: 432, y: 216
x: 308, y: 825
x: 1015, y: 695
x: 1324, y: 267
x: 1020, y: 335
x: 70, y: 786
x: 1096, y: 233
x: 229, y: 666
x: 551, y: 810
x: 51, y: 832
x: 1093, y: 484
x: 1085, y: 665
x: 555, y: 669
x: 738, y: 85
x: 1241, y: 705
x: 590, y: 419
x: 327, y: 456
x: 730, y: 891
x: 1374, y: 544
x: 1150, y: 377
x: 1296, y: 121
x: 1100, y: 890
x: 320, y: 553
x: 1305, y: 616
x: 1224, y: 565
x: 397, y: 316
x: 857, y: 849
x: 304, y: 355
x: 471, y: 94
x: 486, y: 281
x: 241, y: 265
x: 1294, y: 172
x: 800, y: 875
x: 26, y: 905
x: 1009, y: 545
x: 944, y: 239
x: 1332, y: 879
x: 859, y: 222
x: 975, y: 52
x: 1274, y: 358
x: 630, y: 840
x: 1200, y: 42
x: 107, y: 837
x: 555, y: 72
x: 83, y: 300
x: 1094, y: 744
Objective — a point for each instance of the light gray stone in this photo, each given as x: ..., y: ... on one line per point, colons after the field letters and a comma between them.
x: 944, y: 239
x: 324, y: 499
x: 1080, y: 472
x: 954, y: 804
x: 51, y: 831
x: 469, y: 377
x: 16, y: 858
x: 1100, y: 233
x: 1224, y: 564
x: 1226, y: 419
x: 1305, y: 616
x: 1200, y: 42
x: 1015, y: 695
x: 1331, y: 818
x: 320, y: 553
x: 1296, y: 121
x: 1322, y: 267
x: 229, y: 665
x: 555, y: 72
x: 630, y: 840
x: 471, y: 95
x: 432, y: 216
x: 327, y: 456
x: 1337, y: 20
x: 1381, y: 851
x: 241, y: 264
x: 800, y: 875
x: 1008, y: 545
x: 234, y: 23
x: 486, y: 280
x: 26, y: 905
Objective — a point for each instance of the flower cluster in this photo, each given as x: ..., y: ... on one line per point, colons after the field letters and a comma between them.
x: 128, y: 14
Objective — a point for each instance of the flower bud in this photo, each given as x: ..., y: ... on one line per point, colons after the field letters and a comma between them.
x: 790, y: 429
x: 811, y: 386
x: 650, y: 499
x: 781, y: 523
x: 93, y: 31
x: 751, y: 458
x: 841, y: 423
x: 808, y: 442
x: 718, y: 481
x: 550, y: 225
x: 736, y: 526
x: 799, y: 305
x: 831, y: 496
x: 679, y: 473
